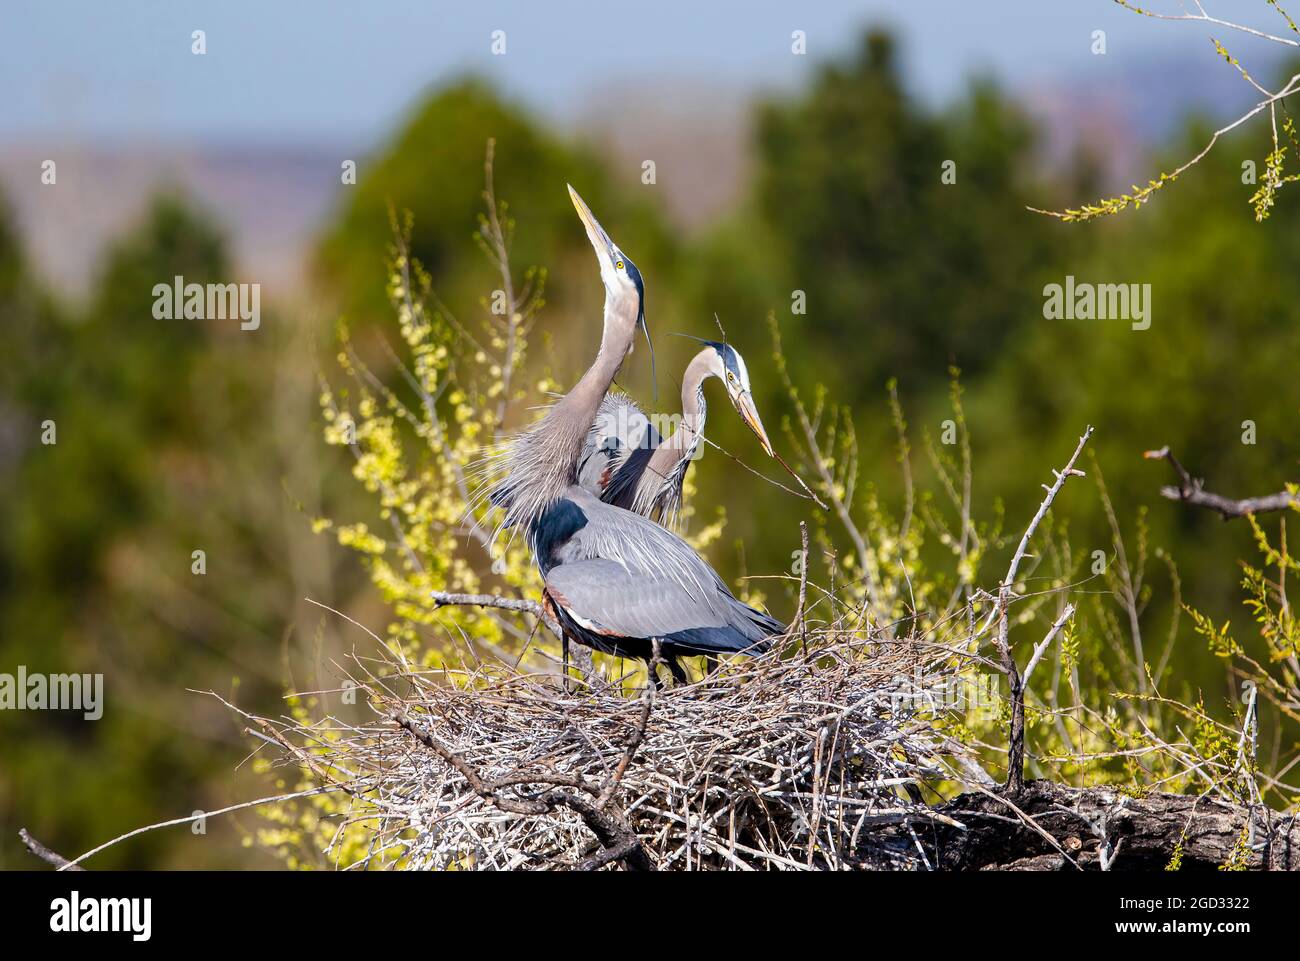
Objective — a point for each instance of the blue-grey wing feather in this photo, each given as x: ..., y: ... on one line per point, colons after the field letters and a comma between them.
x: 625, y: 575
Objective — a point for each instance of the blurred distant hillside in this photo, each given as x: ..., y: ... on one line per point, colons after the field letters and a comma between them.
x: 267, y: 199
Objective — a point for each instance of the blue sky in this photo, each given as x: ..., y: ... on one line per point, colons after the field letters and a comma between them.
x: 327, y: 70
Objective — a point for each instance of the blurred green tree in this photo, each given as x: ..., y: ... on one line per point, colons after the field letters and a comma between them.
x: 97, y: 535
x: 898, y: 222
x: 894, y: 219
x: 1225, y: 329
x: 433, y: 169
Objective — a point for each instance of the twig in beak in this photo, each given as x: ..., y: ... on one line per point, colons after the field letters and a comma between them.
x: 807, y: 494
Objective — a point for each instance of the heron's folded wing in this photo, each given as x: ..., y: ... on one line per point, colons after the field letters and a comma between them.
x: 607, y: 598
x: 637, y: 579
x: 643, y: 549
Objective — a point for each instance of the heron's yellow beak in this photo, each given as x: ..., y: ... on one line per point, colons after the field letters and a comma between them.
x: 749, y: 413
x: 595, y: 232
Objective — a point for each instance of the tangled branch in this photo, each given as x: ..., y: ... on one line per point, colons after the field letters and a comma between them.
x: 764, y: 763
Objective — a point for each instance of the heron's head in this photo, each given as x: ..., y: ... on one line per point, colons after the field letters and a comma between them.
x: 624, y: 288
x: 729, y: 367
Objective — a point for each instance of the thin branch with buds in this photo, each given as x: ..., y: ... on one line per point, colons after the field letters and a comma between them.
x: 1274, y: 178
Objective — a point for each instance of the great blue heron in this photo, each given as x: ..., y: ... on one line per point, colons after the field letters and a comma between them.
x: 616, y: 581
x: 627, y: 462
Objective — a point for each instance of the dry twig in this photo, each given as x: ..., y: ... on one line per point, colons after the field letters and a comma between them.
x: 1016, y: 740
x: 45, y: 854
x: 1191, y: 490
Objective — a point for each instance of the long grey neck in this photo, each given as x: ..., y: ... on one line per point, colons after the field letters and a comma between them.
x: 694, y: 411
x: 541, y: 464
x: 572, y: 417
x: 556, y: 442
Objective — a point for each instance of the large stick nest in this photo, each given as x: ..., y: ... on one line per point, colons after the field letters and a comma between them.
x: 770, y: 762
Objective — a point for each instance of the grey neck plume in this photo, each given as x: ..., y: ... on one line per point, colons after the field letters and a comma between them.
x: 541, y: 463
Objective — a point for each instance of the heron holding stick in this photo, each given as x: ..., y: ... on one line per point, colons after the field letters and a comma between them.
x: 627, y: 462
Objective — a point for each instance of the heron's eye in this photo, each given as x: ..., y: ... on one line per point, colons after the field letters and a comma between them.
x: 731, y: 378
x: 619, y: 265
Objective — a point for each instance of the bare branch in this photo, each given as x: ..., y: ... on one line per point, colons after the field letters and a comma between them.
x: 198, y: 816
x: 1204, y: 17
x: 521, y: 605
x: 1061, y: 827
x: 1016, y: 740
x: 45, y: 854
x: 1190, y: 490
x: 634, y: 739
x: 800, y: 622
x: 1046, y: 642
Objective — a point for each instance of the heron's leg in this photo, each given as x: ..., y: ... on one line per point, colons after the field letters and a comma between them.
x: 582, y: 660
x: 564, y: 657
x: 653, y: 675
x: 679, y: 673
x: 710, y: 664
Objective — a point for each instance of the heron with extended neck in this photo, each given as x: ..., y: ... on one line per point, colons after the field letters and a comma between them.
x: 616, y: 581
x: 627, y: 462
